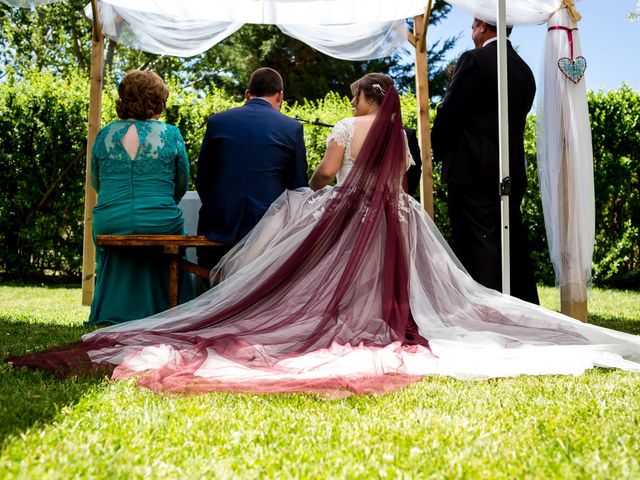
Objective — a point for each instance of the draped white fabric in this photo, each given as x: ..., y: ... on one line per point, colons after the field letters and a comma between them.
x: 345, y: 29
x: 352, y: 41
x: 519, y: 12
x: 565, y: 164
x: 157, y: 32
x: 27, y: 3
x: 473, y: 332
x: 280, y: 12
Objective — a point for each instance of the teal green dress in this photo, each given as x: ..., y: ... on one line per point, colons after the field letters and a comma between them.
x: 136, y: 196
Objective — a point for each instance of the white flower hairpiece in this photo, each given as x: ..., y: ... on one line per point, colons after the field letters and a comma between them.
x: 379, y: 88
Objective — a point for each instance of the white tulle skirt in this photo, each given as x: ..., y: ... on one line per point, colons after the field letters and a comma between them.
x: 472, y: 332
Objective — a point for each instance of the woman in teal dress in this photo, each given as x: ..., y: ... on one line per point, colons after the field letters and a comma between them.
x: 140, y: 169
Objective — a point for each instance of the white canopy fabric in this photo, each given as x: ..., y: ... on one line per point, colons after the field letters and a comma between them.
x: 157, y: 32
x: 279, y: 12
x: 565, y: 161
x: 162, y: 34
x: 345, y: 29
x: 190, y: 27
x: 352, y: 42
x: 518, y: 12
x: 27, y: 3
x: 367, y: 29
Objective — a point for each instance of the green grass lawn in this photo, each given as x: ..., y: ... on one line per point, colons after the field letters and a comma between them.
x: 526, y: 427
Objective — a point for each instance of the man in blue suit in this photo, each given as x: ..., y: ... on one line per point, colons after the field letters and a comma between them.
x: 249, y: 156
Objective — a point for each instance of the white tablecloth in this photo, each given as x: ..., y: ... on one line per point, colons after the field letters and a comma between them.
x: 190, y: 205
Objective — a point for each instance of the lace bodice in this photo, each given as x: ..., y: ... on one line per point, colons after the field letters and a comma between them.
x: 160, y: 163
x: 342, y: 134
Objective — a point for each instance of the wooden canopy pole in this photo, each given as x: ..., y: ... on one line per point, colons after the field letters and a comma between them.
x: 573, y: 296
x: 95, y: 108
x: 419, y: 40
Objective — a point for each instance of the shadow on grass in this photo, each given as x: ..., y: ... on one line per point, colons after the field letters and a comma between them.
x: 621, y: 324
x: 51, y: 282
x: 30, y: 397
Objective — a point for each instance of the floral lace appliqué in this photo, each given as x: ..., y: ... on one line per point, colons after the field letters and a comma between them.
x: 161, y: 153
x: 403, y: 209
x: 318, y: 213
x: 341, y: 134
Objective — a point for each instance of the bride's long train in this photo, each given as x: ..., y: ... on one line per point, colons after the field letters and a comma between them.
x: 350, y: 289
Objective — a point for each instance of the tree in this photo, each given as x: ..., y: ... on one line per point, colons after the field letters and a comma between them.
x: 634, y: 16
x: 56, y: 37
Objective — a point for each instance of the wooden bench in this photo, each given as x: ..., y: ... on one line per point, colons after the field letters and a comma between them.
x: 170, y: 245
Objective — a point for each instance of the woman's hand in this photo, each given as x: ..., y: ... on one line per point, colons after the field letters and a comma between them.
x: 328, y: 167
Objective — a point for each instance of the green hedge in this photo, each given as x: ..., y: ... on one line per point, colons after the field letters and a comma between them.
x: 615, y: 127
x: 42, y: 158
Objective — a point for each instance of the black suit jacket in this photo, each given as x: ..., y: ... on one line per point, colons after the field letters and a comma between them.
x: 415, y: 171
x: 249, y: 156
x: 465, y: 131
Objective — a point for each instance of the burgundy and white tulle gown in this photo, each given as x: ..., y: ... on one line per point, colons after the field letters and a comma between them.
x: 349, y: 289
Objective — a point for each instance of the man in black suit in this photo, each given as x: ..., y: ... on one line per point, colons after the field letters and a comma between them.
x: 249, y: 156
x: 465, y: 140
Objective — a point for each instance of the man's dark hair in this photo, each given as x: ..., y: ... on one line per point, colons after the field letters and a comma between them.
x: 265, y: 82
x: 493, y: 28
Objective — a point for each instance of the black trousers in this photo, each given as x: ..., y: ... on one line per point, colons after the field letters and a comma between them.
x: 208, y: 257
x: 476, y: 229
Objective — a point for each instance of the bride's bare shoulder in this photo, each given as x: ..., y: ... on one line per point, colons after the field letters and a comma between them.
x: 346, y: 121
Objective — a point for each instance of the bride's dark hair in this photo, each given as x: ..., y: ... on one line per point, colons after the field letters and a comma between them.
x: 373, y: 85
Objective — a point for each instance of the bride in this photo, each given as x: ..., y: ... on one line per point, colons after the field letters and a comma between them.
x: 347, y: 289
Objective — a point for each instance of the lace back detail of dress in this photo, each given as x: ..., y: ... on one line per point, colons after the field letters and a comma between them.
x: 342, y: 134
x: 157, y: 143
x: 131, y: 141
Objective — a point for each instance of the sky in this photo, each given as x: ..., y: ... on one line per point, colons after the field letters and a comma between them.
x: 610, y: 42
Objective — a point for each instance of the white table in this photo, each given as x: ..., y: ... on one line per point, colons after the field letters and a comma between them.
x: 190, y: 205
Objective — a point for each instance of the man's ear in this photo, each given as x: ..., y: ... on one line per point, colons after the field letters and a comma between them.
x: 280, y: 97
x: 247, y: 95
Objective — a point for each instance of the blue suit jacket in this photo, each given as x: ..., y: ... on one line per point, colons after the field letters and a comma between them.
x: 249, y: 156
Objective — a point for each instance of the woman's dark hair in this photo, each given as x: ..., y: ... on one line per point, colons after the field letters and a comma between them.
x: 265, y: 82
x: 141, y: 95
x: 373, y: 85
